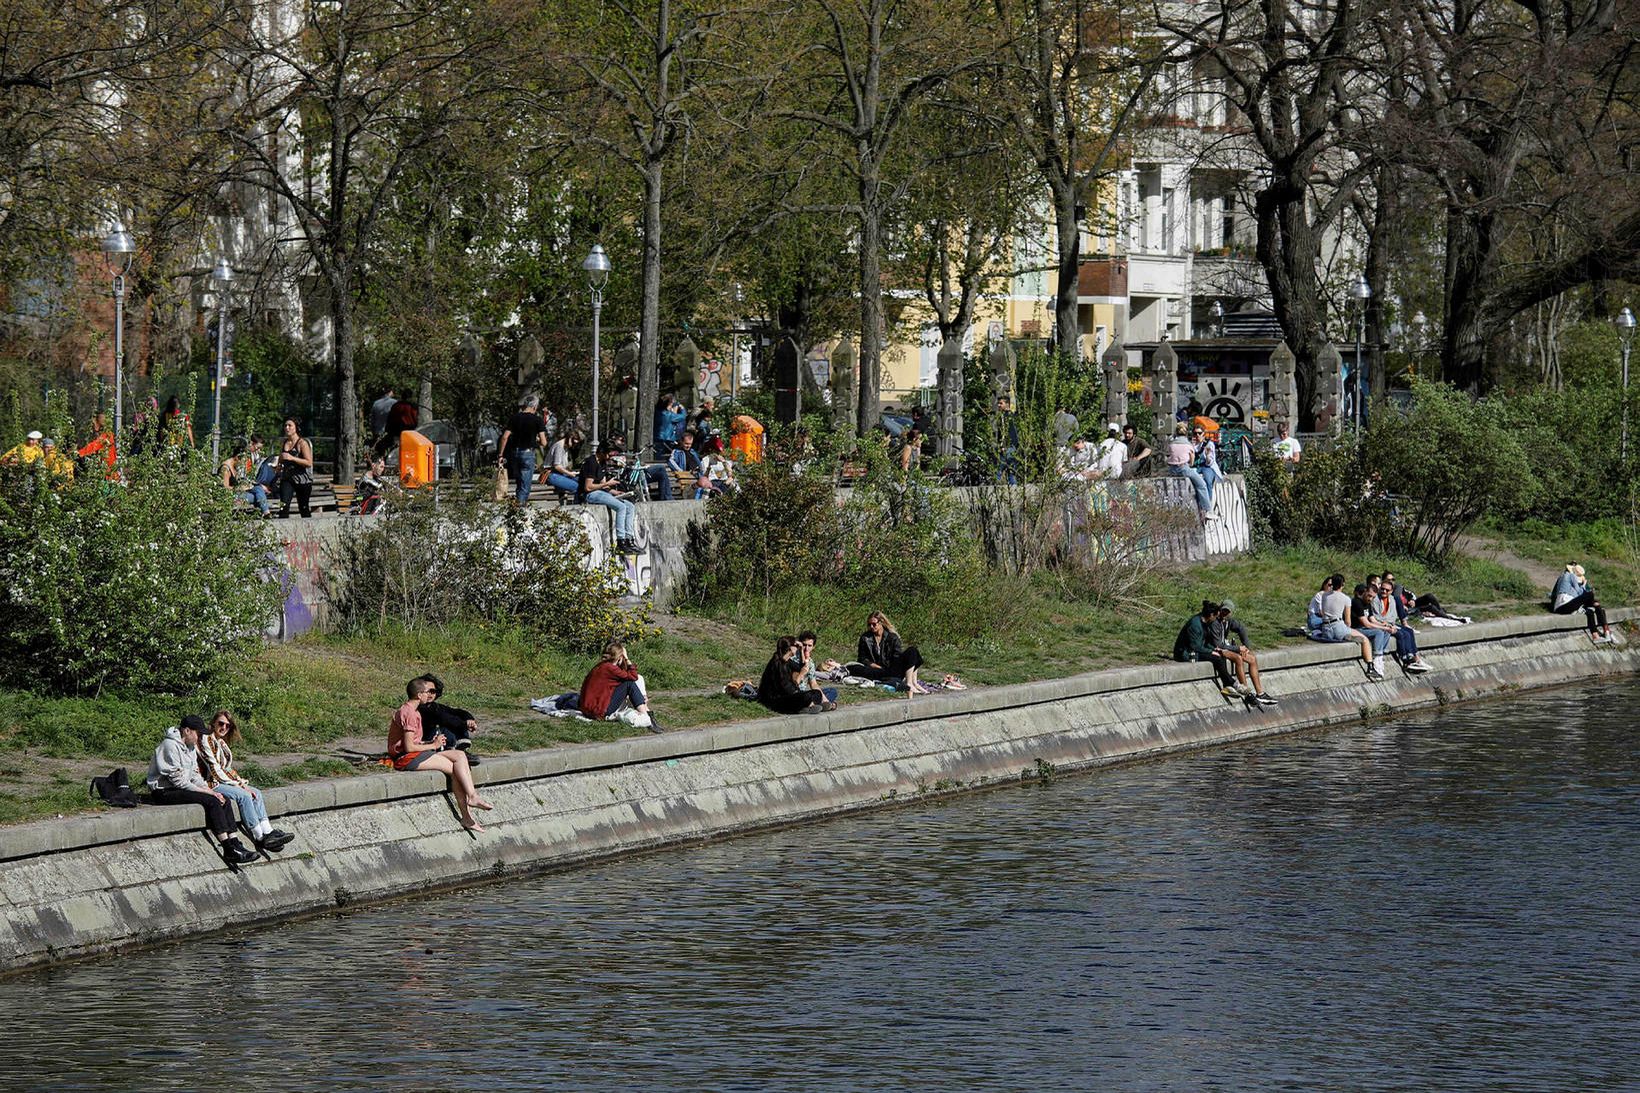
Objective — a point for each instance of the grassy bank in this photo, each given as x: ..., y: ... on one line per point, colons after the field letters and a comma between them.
x: 310, y: 707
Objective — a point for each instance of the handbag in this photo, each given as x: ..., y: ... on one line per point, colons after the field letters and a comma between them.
x: 499, y: 492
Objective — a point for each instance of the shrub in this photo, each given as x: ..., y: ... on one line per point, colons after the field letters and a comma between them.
x: 779, y: 528
x: 151, y: 585
x: 445, y: 556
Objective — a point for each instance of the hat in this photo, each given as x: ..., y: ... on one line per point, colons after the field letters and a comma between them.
x: 1228, y: 605
x: 1113, y: 427
x: 36, y: 435
x: 47, y: 442
x: 195, y: 723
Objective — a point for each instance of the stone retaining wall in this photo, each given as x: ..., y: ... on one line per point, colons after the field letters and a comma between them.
x: 80, y: 886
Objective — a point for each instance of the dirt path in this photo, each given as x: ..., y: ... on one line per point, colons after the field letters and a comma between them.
x: 1492, y: 550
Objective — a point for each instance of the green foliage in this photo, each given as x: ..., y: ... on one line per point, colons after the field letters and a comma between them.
x: 444, y: 556
x: 153, y: 585
x: 274, y: 376
x: 1570, y: 440
x: 779, y: 528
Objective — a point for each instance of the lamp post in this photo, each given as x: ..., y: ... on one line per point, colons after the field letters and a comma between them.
x: 597, y: 270
x: 1625, y: 332
x: 221, y: 277
x: 1218, y: 318
x: 1362, y: 292
x: 118, y: 248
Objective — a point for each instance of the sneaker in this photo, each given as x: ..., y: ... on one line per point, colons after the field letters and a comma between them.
x: 235, y: 853
x: 274, y: 841
x: 1417, y: 665
x: 473, y: 760
x: 1230, y: 693
x: 1374, y: 675
x: 1264, y: 700
x: 464, y: 743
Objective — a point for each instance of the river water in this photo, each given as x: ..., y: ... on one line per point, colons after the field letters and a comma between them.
x: 1435, y: 902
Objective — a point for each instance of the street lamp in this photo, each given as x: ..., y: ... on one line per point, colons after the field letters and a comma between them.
x: 1420, y: 323
x: 1362, y: 292
x: 221, y: 277
x: 1625, y: 332
x: 1218, y: 318
x: 597, y: 270
x: 118, y: 248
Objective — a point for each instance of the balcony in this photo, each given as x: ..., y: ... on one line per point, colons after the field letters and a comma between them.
x: 1157, y: 274
x: 1228, y: 271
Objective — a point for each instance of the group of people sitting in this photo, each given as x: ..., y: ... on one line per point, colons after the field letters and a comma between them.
x: 193, y: 765
x: 1193, y: 454
x: 1375, y: 614
x: 1216, y: 636
x: 1572, y: 593
x: 791, y: 682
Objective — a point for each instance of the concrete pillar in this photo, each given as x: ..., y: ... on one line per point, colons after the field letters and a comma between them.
x: 843, y: 364
x: 686, y: 373
x: 1329, y: 390
x: 1164, y: 386
x: 950, y: 403
x: 1113, y: 369
x: 1283, y: 388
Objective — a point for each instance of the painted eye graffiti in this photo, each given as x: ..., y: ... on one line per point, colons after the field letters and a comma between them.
x: 1225, y: 402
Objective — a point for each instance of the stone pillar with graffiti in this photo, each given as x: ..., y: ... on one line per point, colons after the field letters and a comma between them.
x: 1002, y: 361
x: 1113, y: 370
x: 1283, y: 404
x: 686, y: 373
x: 842, y: 386
x: 1329, y: 390
x: 1164, y: 388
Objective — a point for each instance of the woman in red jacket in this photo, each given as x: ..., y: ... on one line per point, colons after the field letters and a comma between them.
x: 612, y: 683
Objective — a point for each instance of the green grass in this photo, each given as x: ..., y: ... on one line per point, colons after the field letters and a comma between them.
x: 304, y: 698
x: 1605, y: 548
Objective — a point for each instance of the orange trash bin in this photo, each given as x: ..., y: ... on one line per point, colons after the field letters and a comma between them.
x: 418, y: 460
x: 746, y: 439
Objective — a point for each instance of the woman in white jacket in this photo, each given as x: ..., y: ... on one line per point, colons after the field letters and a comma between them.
x: 174, y: 778
x: 216, y: 760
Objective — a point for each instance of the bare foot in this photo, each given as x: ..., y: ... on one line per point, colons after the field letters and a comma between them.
x: 481, y: 803
x: 474, y: 826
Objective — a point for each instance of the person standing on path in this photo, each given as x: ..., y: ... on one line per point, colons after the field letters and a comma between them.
x: 525, y: 433
x: 295, y: 470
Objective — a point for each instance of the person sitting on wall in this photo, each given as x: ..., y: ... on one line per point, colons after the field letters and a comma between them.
x: 174, y: 778
x: 1195, y: 644
x: 1205, y: 457
x: 778, y: 688
x: 1380, y: 632
x: 1382, y: 603
x: 596, y: 485
x: 1229, y: 640
x: 612, y: 685
x: 1137, y: 453
x: 883, y: 656
x: 1078, y: 461
x: 457, y: 725
x: 808, y: 679
x: 410, y: 749
x: 373, y: 487
x: 703, y: 427
x: 685, y: 463
x: 216, y: 762
x: 1111, y: 456
x: 1180, y: 455
x: 1329, y: 614
x: 910, y: 453
x: 238, y: 477
x: 560, y: 462
x: 717, y: 468
x: 1572, y: 593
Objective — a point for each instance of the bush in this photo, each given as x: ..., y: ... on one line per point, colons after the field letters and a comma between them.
x: 153, y: 585
x: 779, y: 528
x: 443, y: 556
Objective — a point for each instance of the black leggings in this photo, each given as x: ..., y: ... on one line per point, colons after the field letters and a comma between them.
x: 300, y: 490
x: 218, y: 814
x: 796, y: 702
x: 908, y: 659
x: 1592, y: 610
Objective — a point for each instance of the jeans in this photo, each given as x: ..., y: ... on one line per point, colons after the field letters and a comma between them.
x: 1336, y: 631
x: 660, y: 481
x: 1593, y: 612
x: 623, y: 511
x: 1204, y: 495
x: 522, y: 465
x: 1211, y: 476
x: 252, y: 810
x: 258, y: 495
x: 1406, y: 643
x: 561, y: 482
x: 1380, y: 641
x: 630, y: 690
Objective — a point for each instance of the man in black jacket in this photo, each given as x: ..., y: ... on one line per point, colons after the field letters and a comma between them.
x: 456, y: 725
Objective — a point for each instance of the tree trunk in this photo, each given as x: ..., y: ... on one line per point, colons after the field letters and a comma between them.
x: 1287, y: 250
x: 1067, y: 330
x: 649, y: 322
x: 347, y: 398
x: 1377, y: 272
x: 871, y: 306
x: 1463, y: 350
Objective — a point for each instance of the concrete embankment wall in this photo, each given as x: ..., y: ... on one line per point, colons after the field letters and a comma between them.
x: 86, y: 885
x: 658, y: 568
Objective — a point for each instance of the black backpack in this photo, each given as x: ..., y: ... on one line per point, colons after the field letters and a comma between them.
x: 115, y: 788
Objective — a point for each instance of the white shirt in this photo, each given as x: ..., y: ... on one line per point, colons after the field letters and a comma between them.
x: 1288, y: 449
x: 558, y: 458
x: 1112, y: 454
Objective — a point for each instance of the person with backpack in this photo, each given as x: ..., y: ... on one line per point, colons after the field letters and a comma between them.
x: 174, y: 778
x: 216, y: 763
